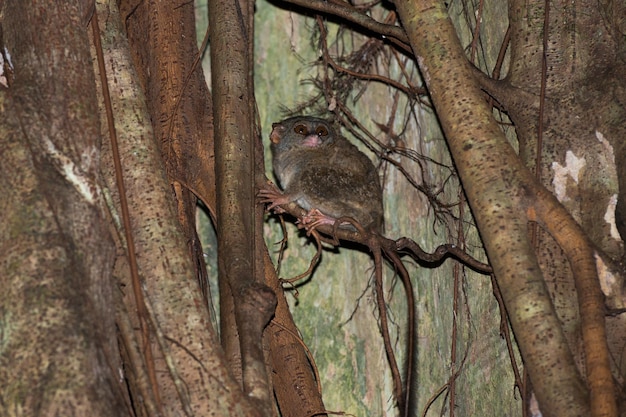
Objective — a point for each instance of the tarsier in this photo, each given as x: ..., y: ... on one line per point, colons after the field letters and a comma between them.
x: 324, y: 173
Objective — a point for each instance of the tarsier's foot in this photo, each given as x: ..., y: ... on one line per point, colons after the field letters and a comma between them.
x: 315, y: 218
x: 273, y: 196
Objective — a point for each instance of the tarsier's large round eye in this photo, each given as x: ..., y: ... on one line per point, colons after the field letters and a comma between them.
x: 300, y: 129
x: 321, y: 131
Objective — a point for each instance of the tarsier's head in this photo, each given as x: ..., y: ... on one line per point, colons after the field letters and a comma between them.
x: 301, y: 132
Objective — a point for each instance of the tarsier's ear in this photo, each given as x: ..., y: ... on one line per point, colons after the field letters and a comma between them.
x: 277, y: 132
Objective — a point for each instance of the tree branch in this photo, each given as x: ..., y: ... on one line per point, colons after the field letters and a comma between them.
x: 351, y: 14
x: 234, y: 152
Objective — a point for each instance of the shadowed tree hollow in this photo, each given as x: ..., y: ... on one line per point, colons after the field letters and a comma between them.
x: 142, y: 274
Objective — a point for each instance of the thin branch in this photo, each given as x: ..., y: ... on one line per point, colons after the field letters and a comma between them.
x: 354, y: 15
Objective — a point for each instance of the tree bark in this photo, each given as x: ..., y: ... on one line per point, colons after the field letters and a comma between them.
x: 504, y: 196
x: 59, y: 352
x: 163, y: 43
x: 191, y: 375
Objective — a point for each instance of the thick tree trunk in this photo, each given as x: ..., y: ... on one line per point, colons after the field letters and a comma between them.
x: 59, y: 354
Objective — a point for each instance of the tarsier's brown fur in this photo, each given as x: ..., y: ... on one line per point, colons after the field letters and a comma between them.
x: 320, y: 169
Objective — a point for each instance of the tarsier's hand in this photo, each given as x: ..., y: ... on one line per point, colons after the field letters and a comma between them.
x: 273, y: 196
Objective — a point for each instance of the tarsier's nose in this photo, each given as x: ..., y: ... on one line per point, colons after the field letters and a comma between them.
x: 312, y: 140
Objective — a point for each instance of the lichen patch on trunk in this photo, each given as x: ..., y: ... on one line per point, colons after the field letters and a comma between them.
x: 572, y: 168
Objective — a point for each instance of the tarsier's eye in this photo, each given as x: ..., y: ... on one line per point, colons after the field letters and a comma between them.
x: 300, y: 129
x: 321, y: 131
